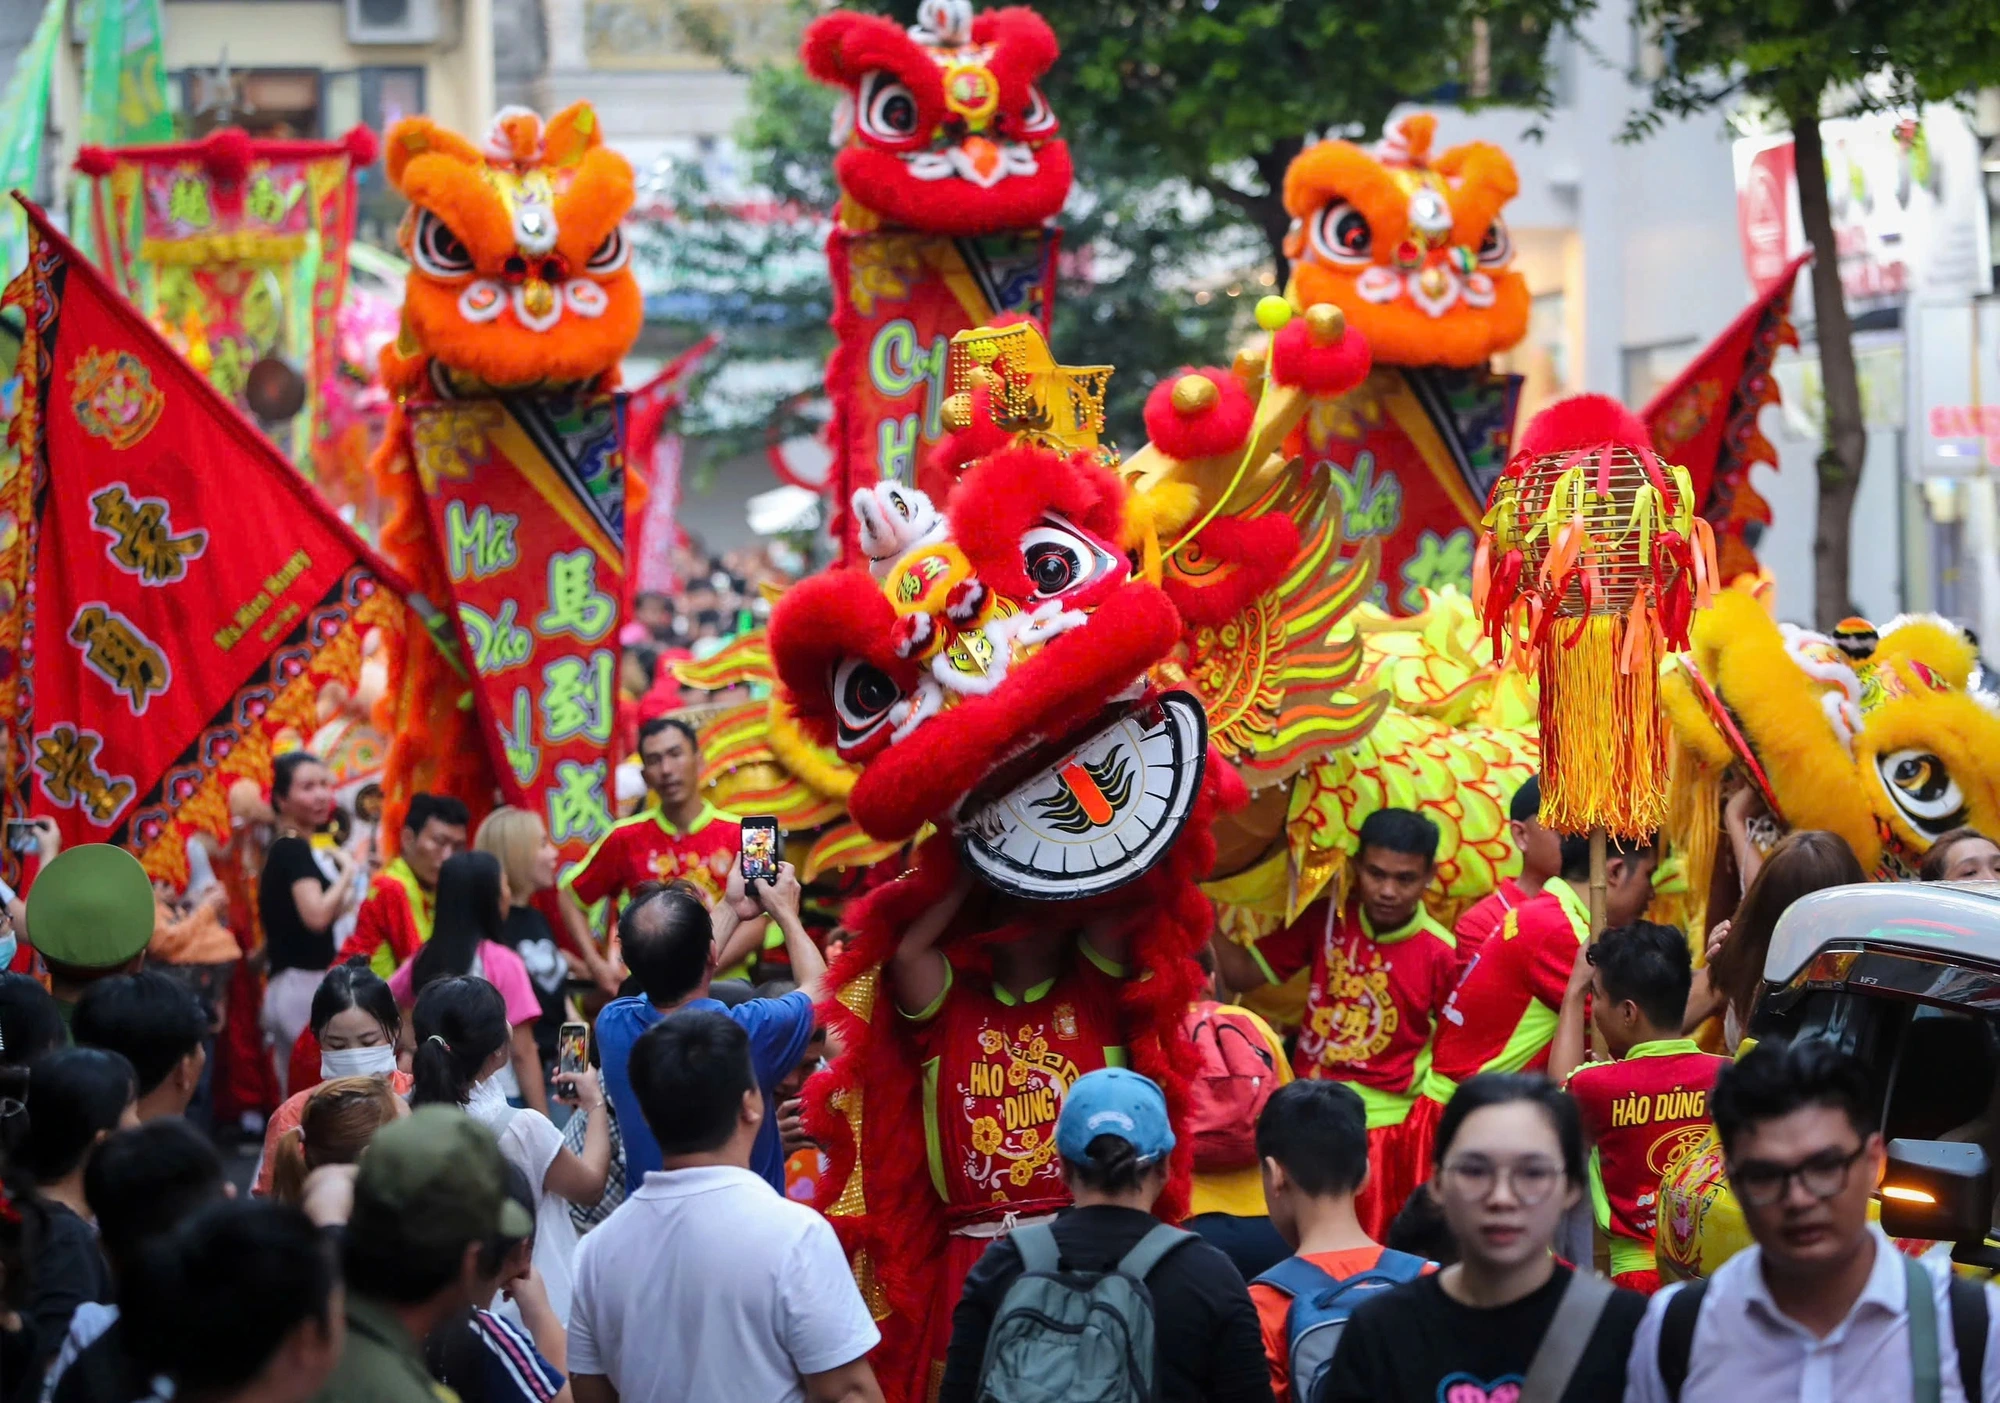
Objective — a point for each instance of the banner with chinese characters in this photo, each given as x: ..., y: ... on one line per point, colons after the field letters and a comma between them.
x: 1706, y: 420
x: 899, y: 298
x: 237, y: 249
x: 1412, y: 455
x: 527, y: 507
x: 193, y: 597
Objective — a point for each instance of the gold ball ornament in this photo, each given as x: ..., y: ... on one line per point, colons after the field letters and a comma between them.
x: 1194, y: 393
x: 1328, y: 322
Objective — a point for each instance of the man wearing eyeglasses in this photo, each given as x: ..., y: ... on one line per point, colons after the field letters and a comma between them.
x: 1824, y: 1306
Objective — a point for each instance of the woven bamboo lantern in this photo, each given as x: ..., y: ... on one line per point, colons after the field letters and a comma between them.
x: 1590, y: 567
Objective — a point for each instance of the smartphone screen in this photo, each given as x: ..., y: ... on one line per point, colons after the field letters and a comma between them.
x: 763, y: 849
x: 20, y: 835
x: 573, y: 1047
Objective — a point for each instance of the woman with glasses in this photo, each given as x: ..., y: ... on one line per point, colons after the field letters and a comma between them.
x: 1507, y: 1319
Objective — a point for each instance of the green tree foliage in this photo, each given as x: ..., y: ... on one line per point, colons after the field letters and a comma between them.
x: 1804, y: 60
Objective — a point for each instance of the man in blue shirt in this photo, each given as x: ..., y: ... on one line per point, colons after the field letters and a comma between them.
x: 672, y: 943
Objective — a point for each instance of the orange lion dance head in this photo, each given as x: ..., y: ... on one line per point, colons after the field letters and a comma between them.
x: 1413, y: 250
x: 519, y: 267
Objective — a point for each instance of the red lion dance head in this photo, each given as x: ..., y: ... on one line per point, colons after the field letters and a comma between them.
x: 942, y: 127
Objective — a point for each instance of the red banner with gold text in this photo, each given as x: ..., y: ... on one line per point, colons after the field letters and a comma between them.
x: 191, y: 595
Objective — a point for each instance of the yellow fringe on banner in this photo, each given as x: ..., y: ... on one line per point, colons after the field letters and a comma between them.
x: 1692, y: 831
x: 1604, y: 740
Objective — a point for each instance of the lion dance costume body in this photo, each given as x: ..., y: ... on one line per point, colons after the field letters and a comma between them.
x: 1004, y: 673
x: 502, y: 463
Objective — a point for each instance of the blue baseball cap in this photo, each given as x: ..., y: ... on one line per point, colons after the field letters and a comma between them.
x: 1114, y: 1101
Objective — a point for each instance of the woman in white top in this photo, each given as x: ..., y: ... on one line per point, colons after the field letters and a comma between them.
x: 463, y: 1041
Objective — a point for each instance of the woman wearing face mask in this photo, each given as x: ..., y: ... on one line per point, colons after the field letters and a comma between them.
x: 1508, y: 1164
x: 472, y: 899
x: 355, y: 1021
x: 463, y: 1043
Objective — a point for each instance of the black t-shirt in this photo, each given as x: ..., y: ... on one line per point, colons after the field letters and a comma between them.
x: 1415, y: 1344
x: 69, y: 1270
x: 290, y: 943
x: 526, y: 932
x: 1210, y: 1350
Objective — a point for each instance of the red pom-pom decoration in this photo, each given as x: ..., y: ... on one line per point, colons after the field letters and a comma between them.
x: 226, y: 153
x: 1319, y: 353
x: 94, y: 161
x: 1198, y: 414
x: 362, y: 146
x: 1579, y: 423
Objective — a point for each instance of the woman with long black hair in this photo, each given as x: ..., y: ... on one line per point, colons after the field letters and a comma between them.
x: 463, y: 1042
x: 302, y: 892
x: 472, y: 901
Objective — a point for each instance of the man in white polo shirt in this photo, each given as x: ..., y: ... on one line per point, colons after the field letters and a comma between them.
x: 706, y: 1283
x: 1823, y: 1307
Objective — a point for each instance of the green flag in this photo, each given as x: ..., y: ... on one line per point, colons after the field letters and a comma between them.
x: 23, y: 118
x: 124, y: 75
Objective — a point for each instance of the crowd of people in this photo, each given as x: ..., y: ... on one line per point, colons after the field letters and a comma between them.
x: 1404, y: 1202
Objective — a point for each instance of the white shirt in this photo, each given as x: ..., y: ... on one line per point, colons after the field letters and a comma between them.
x: 1745, y: 1348
x: 531, y: 1142
x: 706, y: 1284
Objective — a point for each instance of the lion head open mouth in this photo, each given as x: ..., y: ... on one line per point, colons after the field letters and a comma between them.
x: 1094, y: 812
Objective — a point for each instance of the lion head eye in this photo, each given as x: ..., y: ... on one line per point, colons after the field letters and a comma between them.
x: 437, y: 250
x: 1341, y: 234
x: 1058, y: 559
x: 611, y: 255
x: 1922, y: 788
x: 863, y: 696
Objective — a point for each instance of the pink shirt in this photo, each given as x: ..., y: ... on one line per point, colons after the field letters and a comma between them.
x: 498, y: 966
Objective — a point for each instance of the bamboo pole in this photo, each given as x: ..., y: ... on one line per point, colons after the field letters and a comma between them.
x: 1600, y: 884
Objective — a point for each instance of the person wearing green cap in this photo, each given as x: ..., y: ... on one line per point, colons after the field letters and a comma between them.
x: 430, y: 1204
x: 90, y: 915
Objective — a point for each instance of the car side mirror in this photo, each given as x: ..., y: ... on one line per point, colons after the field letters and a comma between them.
x: 1938, y: 1191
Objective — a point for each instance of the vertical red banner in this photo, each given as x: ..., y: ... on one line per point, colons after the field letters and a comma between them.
x: 526, y: 498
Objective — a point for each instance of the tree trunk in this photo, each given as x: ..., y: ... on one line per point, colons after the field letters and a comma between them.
x: 1269, y: 209
x: 1846, y: 437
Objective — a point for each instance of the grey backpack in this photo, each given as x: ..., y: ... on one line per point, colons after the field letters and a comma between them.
x: 1075, y: 1337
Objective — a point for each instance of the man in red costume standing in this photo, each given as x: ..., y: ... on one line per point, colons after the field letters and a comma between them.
x: 394, y: 922
x: 1541, y: 859
x: 1503, y: 1015
x: 1002, y: 1047
x: 1382, y: 971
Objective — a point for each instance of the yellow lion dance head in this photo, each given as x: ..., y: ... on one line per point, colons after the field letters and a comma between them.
x: 520, y: 273
x: 1875, y: 738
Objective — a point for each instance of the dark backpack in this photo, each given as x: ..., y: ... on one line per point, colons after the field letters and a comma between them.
x: 1321, y: 1305
x: 1967, y: 1299
x: 1083, y: 1337
x: 1234, y: 1076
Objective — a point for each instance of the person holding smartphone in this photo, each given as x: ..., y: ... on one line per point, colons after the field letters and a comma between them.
x: 671, y: 944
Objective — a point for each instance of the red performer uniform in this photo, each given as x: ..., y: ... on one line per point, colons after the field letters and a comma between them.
x: 1480, y: 922
x: 647, y: 848
x: 393, y: 923
x: 1371, y: 1004
x: 1502, y: 1016
x: 996, y: 1070
x: 1642, y: 1114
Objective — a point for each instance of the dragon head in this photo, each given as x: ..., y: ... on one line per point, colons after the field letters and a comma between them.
x: 1871, y: 736
x: 1414, y: 251
x: 519, y: 267
x: 941, y: 126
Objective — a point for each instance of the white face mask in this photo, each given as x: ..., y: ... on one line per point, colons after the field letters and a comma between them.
x: 8, y: 944
x: 357, y: 1062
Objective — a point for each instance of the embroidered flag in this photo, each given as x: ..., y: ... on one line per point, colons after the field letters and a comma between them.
x: 527, y: 503
x: 899, y: 298
x: 192, y: 595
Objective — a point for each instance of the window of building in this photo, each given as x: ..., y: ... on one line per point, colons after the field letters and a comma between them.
x: 284, y: 103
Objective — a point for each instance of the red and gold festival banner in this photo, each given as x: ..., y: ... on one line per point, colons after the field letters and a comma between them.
x: 1706, y: 420
x: 1411, y: 455
x: 192, y: 595
x: 899, y: 298
x: 236, y: 248
x: 527, y: 505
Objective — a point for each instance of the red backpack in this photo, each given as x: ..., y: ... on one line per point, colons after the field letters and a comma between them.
x: 1234, y: 1076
